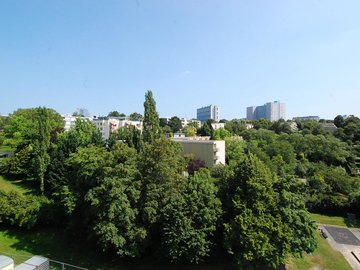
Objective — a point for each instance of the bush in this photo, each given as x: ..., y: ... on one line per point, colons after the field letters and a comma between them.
x: 18, y: 209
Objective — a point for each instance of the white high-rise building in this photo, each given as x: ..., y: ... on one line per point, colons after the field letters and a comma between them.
x: 208, y: 112
x: 272, y: 111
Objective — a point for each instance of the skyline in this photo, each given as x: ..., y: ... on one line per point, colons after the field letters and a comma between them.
x: 104, y: 56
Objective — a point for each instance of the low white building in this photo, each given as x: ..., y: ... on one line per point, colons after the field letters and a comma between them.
x: 217, y: 126
x: 107, y: 125
x: 211, y: 152
x: 69, y: 120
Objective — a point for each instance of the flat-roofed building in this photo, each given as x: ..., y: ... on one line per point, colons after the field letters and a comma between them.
x: 307, y: 118
x: 272, y: 111
x: 209, y: 112
x: 211, y: 152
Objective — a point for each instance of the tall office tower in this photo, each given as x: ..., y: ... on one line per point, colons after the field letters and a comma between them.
x: 83, y: 112
x: 272, y: 111
x: 208, y: 112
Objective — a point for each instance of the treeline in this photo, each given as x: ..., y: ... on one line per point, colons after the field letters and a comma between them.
x: 132, y: 197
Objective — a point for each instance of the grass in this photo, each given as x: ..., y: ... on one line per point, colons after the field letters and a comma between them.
x: 5, y: 148
x: 7, y: 185
x: 336, y: 220
x: 53, y: 243
x: 23, y: 244
x: 324, y: 257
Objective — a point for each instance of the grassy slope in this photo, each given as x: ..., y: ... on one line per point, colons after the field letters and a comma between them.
x: 54, y: 244
x: 324, y: 257
x: 335, y: 220
x: 22, y: 244
x: 13, y: 185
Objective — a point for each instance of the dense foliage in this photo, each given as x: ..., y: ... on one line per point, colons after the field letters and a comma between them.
x: 136, y: 196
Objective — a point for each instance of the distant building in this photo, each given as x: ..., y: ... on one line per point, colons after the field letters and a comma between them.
x: 216, y: 126
x: 329, y: 126
x: 306, y: 118
x: 209, y: 112
x: 107, y: 125
x: 83, y: 112
x: 272, y: 111
x: 211, y: 152
x: 293, y: 126
x: 69, y: 120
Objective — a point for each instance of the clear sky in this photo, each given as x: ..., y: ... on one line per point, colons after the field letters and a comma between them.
x: 103, y: 55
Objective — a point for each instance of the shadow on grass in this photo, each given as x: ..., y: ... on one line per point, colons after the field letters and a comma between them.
x: 352, y: 222
x: 54, y: 244
x: 27, y: 186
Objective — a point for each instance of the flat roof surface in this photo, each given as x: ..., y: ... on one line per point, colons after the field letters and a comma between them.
x: 5, y: 261
x: 24, y: 266
x: 343, y: 236
x: 36, y: 260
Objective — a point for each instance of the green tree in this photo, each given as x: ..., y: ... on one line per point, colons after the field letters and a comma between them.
x: 161, y: 168
x: 116, y: 114
x: 190, y: 131
x: 41, y: 146
x: 82, y: 134
x: 250, y: 226
x: 257, y: 232
x: 114, y: 204
x: 205, y: 130
x: 129, y: 135
x: 175, y: 124
x: 18, y: 209
x: 189, y: 220
x: 235, y: 126
x: 151, y: 128
x: 220, y: 134
x: 136, y: 116
x: 339, y: 121
x: 31, y: 133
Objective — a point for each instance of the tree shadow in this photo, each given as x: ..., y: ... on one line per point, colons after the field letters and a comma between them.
x: 55, y: 244
x: 352, y: 222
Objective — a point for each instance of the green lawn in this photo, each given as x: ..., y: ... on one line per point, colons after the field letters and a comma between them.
x: 5, y: 148
x: 23, y: 244
x: 324, y: 257
x: 56, y: 245
x: 14, y: 185
x: 336, y: 220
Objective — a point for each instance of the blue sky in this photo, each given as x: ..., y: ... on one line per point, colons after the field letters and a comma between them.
x: 103, y: 55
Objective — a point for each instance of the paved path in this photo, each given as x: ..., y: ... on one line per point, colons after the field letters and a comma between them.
x: 345, y: 240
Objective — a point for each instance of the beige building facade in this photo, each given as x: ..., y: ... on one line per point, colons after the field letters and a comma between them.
x: 211, y: 152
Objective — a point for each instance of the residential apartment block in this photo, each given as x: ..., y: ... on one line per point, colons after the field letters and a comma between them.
x: 209, y: 112
x: 107, y: 125
x: 272, y: 111
x: 69, y: 120
x: 211, y: 152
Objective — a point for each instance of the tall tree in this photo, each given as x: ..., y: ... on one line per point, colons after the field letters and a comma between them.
x: 114, y: 204
x: 257, y: 231
x: 41, y: 146
x: 161, y: 168
x: 189, y: 220
x: 151, y: 126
